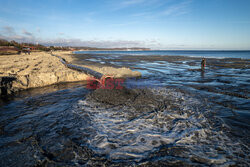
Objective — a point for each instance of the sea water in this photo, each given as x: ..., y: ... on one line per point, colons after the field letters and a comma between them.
x: 205, y: 123
x: 244, y: 54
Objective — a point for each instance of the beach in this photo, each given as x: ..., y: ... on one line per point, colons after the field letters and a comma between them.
x: 19, y: 72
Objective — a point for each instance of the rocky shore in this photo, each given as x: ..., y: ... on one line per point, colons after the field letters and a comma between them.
x: 18, y: 72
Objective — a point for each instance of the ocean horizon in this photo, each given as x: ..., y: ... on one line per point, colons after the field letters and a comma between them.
x: 243, y: 54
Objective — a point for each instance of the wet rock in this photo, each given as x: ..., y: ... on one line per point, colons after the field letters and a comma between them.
x: 139, y: 102
x: 6, y: 85
x: 1, y: 130
x: 113, y: 96
x: 134, y: 97
x: 67, y: 151
x: 194, y: 70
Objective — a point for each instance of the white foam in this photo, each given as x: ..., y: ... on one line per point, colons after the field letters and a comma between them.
x: 185, y: 126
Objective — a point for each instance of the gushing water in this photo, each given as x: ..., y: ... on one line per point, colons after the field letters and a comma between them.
x: 180, y: 123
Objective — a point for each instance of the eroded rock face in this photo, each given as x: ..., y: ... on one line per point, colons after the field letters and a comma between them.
x: 6, y: 85
x: 42, y: 79
x: 35, y: 70
x: 42, y: 69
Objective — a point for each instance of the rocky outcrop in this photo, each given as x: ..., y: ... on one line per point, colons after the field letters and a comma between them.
x: 39, y: 69
x: 6, y: 85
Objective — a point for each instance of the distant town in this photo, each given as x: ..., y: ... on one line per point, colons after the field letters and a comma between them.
x: 13, y: 47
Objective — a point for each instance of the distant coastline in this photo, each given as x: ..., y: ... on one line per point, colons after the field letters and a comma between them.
x: 110, y: 49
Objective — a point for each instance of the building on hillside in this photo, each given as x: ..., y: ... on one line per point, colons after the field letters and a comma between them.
x: 29, y: 48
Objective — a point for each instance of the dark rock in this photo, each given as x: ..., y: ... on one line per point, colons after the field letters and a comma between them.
x: 140, y: 101
x: 113, y: 96
x: 1, y: 130
x: 135, y: 97
x: 6, y: 85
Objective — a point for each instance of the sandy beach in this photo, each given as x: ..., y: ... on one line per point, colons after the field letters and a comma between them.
x: 18, y: 72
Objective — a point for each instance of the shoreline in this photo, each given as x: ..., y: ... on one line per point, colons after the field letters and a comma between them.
x: 39, y: 69
x: 20, y: 72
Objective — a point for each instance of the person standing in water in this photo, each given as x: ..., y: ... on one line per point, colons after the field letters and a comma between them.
x: 203, y: 64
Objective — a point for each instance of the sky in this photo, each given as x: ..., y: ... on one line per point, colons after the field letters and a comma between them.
x: 155, y: 24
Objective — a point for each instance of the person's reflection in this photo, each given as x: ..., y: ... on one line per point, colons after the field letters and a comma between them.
x: 202, y: 73
x: 203, y: 64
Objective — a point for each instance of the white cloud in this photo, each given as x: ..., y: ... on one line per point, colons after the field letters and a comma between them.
x: 38, y: 29
x: 94, y: 43
x: 127, y: 3
x: 177, y: 9
x: 29, y: 37
x: 171, y: 10
x: 8, y: 30
x: 25, y: 32
x: 61, y: 33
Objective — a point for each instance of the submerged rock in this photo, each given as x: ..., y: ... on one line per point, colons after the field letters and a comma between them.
x: 125, y: 96
x: 143, y: 101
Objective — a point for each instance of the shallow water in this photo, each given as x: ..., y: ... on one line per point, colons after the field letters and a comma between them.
x: 245, y: 54
x: 205, y: 120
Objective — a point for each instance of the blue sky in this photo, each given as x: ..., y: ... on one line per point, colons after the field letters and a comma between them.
x: 158, y: 24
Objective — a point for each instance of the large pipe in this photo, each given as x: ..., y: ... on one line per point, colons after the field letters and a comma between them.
x: 86, y: 70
